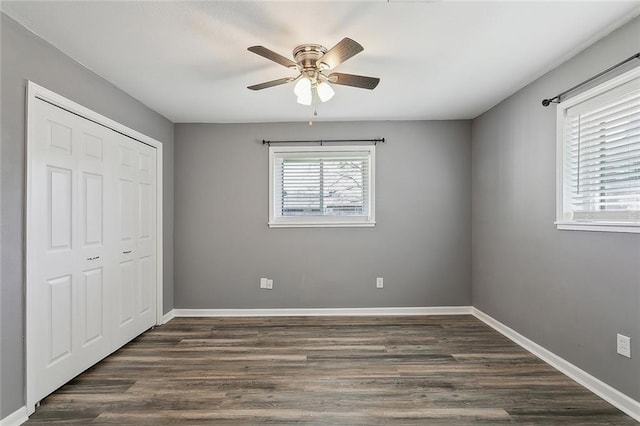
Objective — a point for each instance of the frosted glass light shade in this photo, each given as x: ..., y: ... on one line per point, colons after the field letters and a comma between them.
x: 306, y: 91
x: 302, y: 90
x: 302, y: 87
x: 325, y: 91
x: 305, y: 98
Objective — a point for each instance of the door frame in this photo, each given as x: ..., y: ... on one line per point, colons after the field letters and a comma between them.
x: 35, y: 92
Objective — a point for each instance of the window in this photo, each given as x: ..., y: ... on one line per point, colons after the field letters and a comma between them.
x: 599, y: 157
x: 312, y: 186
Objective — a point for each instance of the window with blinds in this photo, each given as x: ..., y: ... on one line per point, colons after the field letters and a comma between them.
x: 600, y: 136
x: 321, y: 186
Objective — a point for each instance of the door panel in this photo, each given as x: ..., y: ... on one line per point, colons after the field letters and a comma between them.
x: 95, y: 228
x: 127, y: 211
x: 93, y: 146
x: 127, y: 292
x: 126, y: 153
x: 51, y: 290
x: 60, y: 199
x: 92, y: 209
x: 145, y: 164
x: 146, y: 238
x: 147, y: 295
x: 145, y: 220
x: 60, y: 318
x: 137, y: 224
x: 59, y: 137
x: 92, y: 294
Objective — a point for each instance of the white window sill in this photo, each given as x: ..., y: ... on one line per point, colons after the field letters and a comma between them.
x: 599, y: 227
x: 322, y: 224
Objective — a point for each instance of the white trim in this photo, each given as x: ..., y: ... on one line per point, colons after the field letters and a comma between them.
x: 159, y: 236
x: 564, y: 219
x: 168, y: 316
x: 599, y: 226
x: 321, y: 224
x: 34, y: 92
x: 309, y: 312
x: 328, y: 221
x: 16, y: 418
x: 613, y: 396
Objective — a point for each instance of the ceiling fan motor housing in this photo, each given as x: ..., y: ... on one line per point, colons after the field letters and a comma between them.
x: 307, y: 56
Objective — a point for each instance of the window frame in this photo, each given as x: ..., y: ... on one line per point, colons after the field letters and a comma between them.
x: 564, y: 219
x: 275, y: 221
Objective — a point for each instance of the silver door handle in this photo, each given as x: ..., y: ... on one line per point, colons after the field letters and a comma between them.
x: 93, y: 258
x: 126, y: 252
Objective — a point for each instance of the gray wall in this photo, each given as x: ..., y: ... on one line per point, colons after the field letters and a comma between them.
x: 420, y: 245
x: 569, y: 291
x: 27, y: 57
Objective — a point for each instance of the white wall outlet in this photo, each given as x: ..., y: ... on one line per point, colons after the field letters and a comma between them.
x: 379, y: 282
x: 624, y: 345
x: 263, y: 283
x: 269, y: 285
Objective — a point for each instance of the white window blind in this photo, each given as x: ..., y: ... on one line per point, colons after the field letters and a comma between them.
x: 601, y: 154
x: 321, y: 186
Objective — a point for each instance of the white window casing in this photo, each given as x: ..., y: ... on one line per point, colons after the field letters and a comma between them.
x: 598, y: 157
x: 321, y: 186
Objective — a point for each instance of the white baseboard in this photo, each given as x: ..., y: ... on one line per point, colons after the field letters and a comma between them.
x: 306, y: 312
x: 614, y: 397
x: 16, y: 418
x: 168, y: 316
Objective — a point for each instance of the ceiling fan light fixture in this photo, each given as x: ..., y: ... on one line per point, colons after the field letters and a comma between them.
x: 305, y: 100
x: 306, y: 97
x: 303, y: 88
x: 325, y: 91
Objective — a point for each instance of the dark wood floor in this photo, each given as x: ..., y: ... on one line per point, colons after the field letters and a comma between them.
x: 449, y: 370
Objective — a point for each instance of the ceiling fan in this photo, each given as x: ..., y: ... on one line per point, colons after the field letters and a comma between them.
x: 312, y: 61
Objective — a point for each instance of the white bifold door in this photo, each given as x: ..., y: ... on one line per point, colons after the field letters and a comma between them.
x: 91, y: 237
x: 135, y: 230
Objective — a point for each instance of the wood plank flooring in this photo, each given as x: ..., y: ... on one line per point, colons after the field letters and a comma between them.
x: 435, y: 370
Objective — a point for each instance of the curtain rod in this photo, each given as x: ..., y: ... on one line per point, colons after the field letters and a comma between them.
x: 557, y: 99
x: 322, y: 141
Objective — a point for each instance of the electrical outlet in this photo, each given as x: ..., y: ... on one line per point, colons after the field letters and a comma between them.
x: 379, y: 282
x: 263, y: 283
x: 269, y: 285
x: 624, y: 345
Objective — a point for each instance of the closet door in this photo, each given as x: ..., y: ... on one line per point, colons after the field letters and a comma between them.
x: 147, y: 244
x: 91, y: 244
x: 136, y: 180
x: 70, y: 267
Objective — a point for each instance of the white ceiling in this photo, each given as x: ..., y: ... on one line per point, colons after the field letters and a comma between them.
x: 436, y: 60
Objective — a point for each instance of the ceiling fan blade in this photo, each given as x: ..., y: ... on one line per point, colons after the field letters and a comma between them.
x: 271, y: 83
x: 345, y: 49
x: 353, y: 80
x: 272, y: 56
